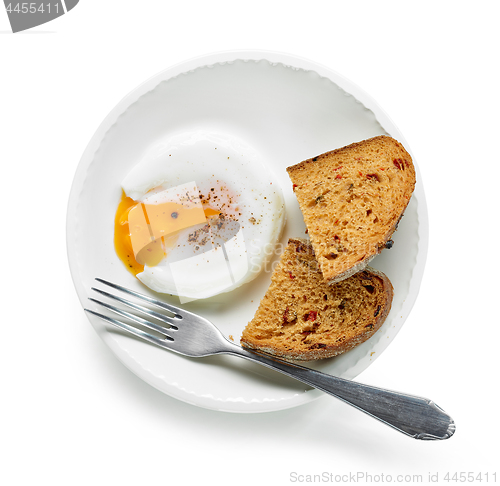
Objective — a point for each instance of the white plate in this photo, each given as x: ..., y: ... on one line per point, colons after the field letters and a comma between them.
x: 287, y: 108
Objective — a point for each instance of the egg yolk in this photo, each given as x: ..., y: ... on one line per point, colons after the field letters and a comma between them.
x: 145, y: 232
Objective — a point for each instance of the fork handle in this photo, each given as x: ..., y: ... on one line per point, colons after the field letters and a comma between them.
x: 417, y: 417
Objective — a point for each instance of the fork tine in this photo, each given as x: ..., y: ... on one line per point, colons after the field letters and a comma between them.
x: 130, y: 329
x: 132, y: 317
x: 172, y: 308
x: 149, y: 312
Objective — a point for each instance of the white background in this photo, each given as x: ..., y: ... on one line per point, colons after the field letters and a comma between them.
x: 72, y: 414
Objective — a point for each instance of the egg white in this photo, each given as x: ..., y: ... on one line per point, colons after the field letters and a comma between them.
x: 236, y: 180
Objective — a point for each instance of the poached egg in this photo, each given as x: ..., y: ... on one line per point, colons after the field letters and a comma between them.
x: 200, y: 214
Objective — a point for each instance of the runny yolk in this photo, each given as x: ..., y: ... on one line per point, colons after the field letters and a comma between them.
x: 145, y: 232
x: 123, y: 245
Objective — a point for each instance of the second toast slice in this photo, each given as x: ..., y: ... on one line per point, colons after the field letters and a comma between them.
x: 302, y: 317
x: 352, y: 200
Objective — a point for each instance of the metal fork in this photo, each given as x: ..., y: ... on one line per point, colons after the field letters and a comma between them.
x: 191, y: 335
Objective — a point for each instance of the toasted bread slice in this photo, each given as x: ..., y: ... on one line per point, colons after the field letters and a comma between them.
x: 302, y: 317
x: 352, y: 200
